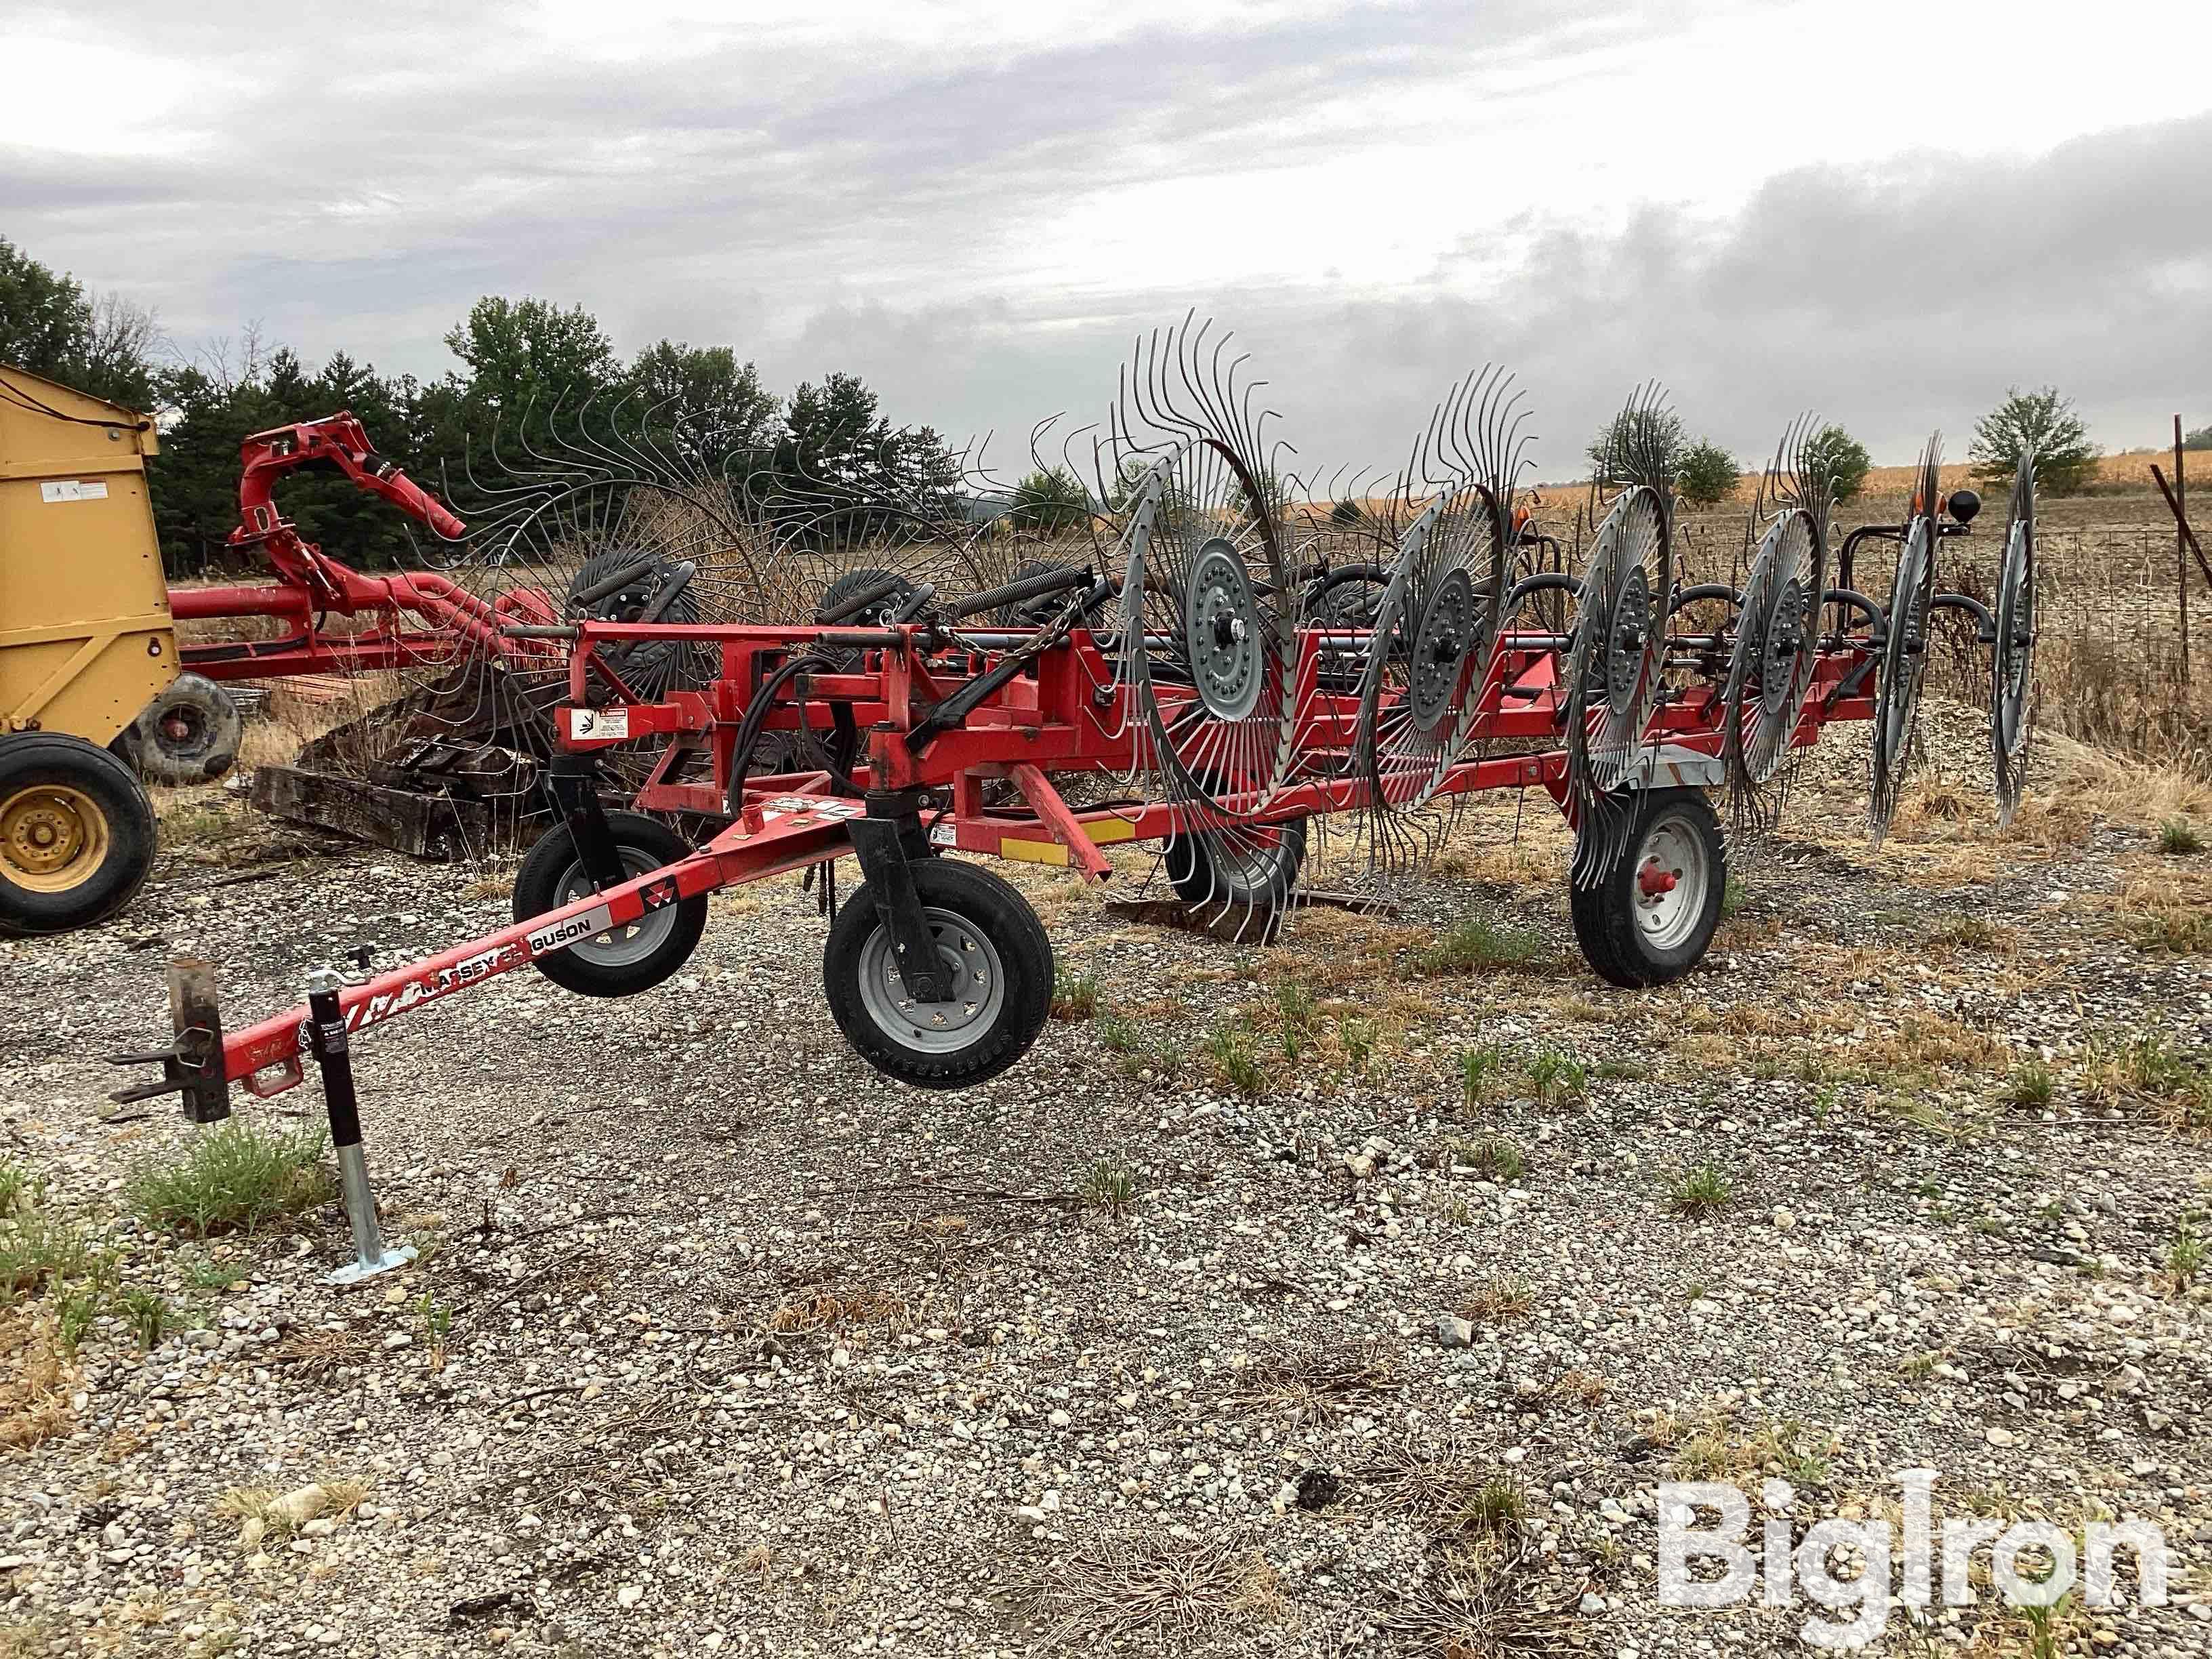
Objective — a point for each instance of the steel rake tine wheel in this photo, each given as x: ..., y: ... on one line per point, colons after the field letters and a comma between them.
x: 1904, y: 667
x: 1612, y: 672
x: 2012, y: 700
x: 1778, y: 644
x: 1211, y: 618
x: 1185, y: 685
x: 1439, y: 632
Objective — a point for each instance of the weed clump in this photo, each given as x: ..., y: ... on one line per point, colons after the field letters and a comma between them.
x: 1478, y: 943
x: 1701, y: 1191
x: 236, y: 1178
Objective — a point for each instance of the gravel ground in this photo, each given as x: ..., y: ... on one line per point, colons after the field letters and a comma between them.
x: 721, y: 1342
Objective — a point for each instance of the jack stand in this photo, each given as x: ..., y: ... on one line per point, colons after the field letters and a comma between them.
x: 326, y: 1038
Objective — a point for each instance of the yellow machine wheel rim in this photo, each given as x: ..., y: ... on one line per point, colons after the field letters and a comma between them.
x: 53, y: 838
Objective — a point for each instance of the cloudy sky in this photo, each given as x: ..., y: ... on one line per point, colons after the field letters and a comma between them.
x: 1887, y: 210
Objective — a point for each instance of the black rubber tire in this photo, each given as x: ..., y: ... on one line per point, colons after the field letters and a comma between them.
x: 117, y: 869
x: 651, y: 667
x: 215, y: 728
x: 1198, y: 879
x: 989, y: 905
x: 1607, y: 925
x: 550, y: 870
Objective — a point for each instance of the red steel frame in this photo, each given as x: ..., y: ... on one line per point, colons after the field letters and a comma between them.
x: 310, y: 586
x: 1069, y: 716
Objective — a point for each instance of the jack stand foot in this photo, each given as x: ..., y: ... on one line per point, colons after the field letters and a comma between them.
x: 354, y: 1273
x: 326, y: 1037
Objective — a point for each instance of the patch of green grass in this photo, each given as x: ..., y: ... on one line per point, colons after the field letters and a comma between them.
x: 1701, y: 1191
x: 75, y: 1308
x: 1108, y: 1185
x: 234, y: 1178
x: 1734, y: 896
x: 1494, y: 1156
x: 20, y: 1189
x: 1236, y: 1060
x: 148, y: 1314
x: 1295, y: 1003
x: 2178, y: 931
x: 1479, y: 1072
x: 197, y: 823
x: 1074, y: 996
x: 38, y: 1250
x: 1119, y: 1035
x: 2180, y: 838
x: 437, y: 1317
x: 1478, y: 943
x: 2185, y: 1257
x: 2031, y: 1086
x: 1554, y: 1074
x: 1498, y: 1507
x: 1358, y: 1037
x: 1622, y: 1071
x: 1962, y: 930
x: 204, y: 1274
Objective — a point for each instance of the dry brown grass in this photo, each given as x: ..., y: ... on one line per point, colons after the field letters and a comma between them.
x: 37, y: 1378
x: 820, y: 1307
x: 1116, y: 1587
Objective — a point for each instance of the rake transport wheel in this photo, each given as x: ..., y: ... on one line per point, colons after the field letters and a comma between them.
x: 622, y: 960
x: 1254, y: 872
x: 76, y: 834
x: 999, y: 962
x: 1649, y: 917
x: 2011, y: 712
x: 188, y: 734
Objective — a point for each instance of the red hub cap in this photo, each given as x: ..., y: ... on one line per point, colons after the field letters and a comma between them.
x: 1654, y: 879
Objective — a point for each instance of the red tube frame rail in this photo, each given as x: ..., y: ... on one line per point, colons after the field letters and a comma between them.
x: 1070, y: 715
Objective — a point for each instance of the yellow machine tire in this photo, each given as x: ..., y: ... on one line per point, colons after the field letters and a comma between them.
x: 76, y: 834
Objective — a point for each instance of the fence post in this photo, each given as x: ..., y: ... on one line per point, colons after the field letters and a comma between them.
x: 2181, y: 544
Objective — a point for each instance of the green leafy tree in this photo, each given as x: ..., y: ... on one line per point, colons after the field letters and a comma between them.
x: 2046, y: 420
x: 1833, y: 455
x: 1049, y: 501
x: 1638, y: 443
x: 216, y: 404
x: 841, y: 473
x: 2200, y: 439
x: 1705, y: 474
x: 709, y: 407
x: 102, y: 344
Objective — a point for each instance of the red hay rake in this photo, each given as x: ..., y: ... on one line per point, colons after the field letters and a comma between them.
x: 1248, y: 687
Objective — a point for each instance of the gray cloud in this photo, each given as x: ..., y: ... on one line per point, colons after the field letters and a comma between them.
x: 871, y: 215
x: 1896, y: 301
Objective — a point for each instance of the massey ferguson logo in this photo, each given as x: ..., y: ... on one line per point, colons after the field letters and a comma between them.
x: 558, y: 935
x: 542, y: 941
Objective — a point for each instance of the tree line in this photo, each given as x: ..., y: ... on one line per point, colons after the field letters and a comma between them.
x: 527, y: 371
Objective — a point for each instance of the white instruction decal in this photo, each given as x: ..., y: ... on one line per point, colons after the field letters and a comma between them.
x: 71, y: 489
x: 944, y: 834
x: 599, y: 723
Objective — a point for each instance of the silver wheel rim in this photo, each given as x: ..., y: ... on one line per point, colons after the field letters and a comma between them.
x: 978, y: 987
x: 1221, y: 629
x: 1672, y: 875
x: 619, y: 947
